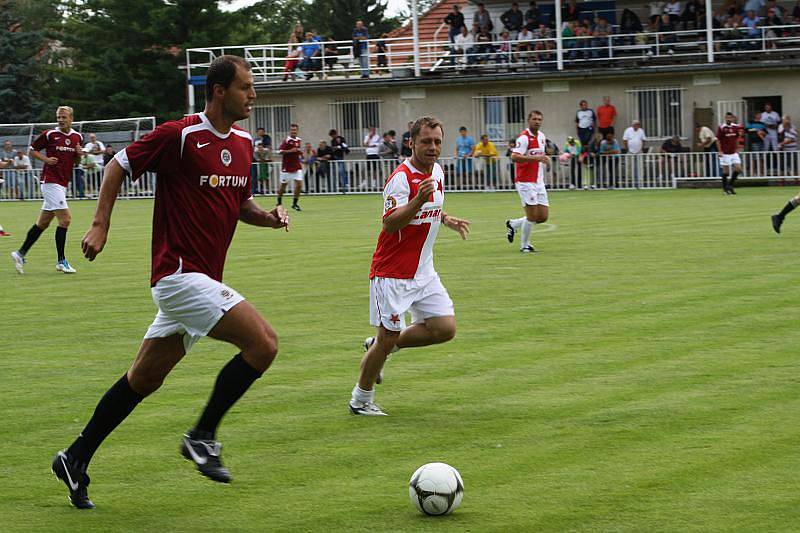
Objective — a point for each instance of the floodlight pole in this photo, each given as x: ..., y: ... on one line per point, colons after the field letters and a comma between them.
x: 559, y: 40
x: 189, y: 87
x: 709, y: 32
x: 415, y: 30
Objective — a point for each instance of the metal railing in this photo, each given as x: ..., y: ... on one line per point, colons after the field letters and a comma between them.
x: 624, y: 171
x: 274, y: 62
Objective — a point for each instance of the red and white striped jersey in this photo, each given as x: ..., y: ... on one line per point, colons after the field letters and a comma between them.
x: 530, y: 144
x: 408, y: 252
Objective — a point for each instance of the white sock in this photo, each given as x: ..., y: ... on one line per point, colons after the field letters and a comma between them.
x: 527, y: 227
x: 516, y: 223
x: 360, y: 395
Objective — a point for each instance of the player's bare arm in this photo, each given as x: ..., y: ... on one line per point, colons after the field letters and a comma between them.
x: 401, y: 217
x: 459, y: 225
x: 252, y: 213
x: 520, y: 158
x: 95, y: 239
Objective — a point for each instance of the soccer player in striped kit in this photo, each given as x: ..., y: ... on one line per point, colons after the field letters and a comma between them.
x: 530, y: 162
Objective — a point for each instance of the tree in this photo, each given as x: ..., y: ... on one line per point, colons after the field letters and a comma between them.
x: 337, y: 18
x: 23, y: 52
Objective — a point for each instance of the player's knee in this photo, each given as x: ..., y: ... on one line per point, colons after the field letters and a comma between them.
x: 145, y: 382
x: 264, y: 350
x: 65, y: 221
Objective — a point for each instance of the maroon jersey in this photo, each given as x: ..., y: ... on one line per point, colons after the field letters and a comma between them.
x: 291, y: 161
x: 728, y: 136
x: 62, y: 146
x: 202, y: 179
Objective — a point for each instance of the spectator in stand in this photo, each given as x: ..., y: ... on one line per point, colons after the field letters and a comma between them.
x: 532, y: 16
x: 673, y: 145
x: 361, y: 47
x: 675, y: 163
x: 756, y: 133
x: 87, y: 169
x: 262, y: 138
x: 787, y: 134
x: 324, y: 158
x: 707, y: 143
x: 109, y: 154
x: 778, y: 10
x: 465, y: 47
x: 331, y: 55
x: 601, y: 42
x: 312, y: 50
x: 261, y: 161
x: 381, y: 49
x: 771, y: 121
x: 483, y: 18
x: 568, y: 41
x: 796, y: 13
x: 770, y: 22
x: 18, y: 182
x: 673, y: 11
x: 574, y: 149
x: 629, y: 25
x: 606, y: 116
x: 667, y: 38
x: 465, y: 145
x: 656, y: 10
x: 293, y: 53
x: 486, y: 152
x: 455, y: 21
x: 524, y: 44
x: 509, y: 150
x: 504, y: 51
x: 309, y: 160
x: 512, y: 20
x: 8, y: 152
x: 545, y: 43
x: 96, y: 149
x: 609, y: 159
x: 340, y: 150
x: 754, y: 5
x: 483, y: 47
x: 584, y: 121
x: 634, y: 141
x: 405, y: 146
x: 570, y: 12
x: 690, y: 13
x: 388, y: 148
x: 372, y: 147
x: 752, y: 22
x: 732, y: 35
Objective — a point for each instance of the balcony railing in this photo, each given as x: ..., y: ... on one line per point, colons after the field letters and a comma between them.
x: 273, y: 63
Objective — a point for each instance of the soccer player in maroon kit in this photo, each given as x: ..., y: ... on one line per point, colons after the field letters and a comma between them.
x: 202, y: 163
x: 729, y: 135
x: 291, y: 165
x: 63, y: 148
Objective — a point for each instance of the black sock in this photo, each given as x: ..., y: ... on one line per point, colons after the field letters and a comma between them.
x: 33, y: 235
x: 294, y: 201
x: 115, y: 405
x: 788, y: 208
x: 724, y: 183
x: 61, y: 240
x: 733, y: 178
x: 280, y: 199
x: 232, y: 382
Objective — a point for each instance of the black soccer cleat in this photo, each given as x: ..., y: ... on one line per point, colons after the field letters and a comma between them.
x: 205, y: 454
x: 527, y: 249
x: 777, y: 222
x: 296, y: 207
x: 511, y: 232
x: 74, y: 478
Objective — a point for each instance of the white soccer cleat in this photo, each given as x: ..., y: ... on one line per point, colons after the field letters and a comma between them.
x: 365, y: 409
x: 19, y: 261
x: 64, y: 266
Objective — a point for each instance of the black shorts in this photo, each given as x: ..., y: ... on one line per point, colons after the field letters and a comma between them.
x: 606, y: 131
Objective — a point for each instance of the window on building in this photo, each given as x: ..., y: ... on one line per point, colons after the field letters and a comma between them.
x: 274, y: 118
x: 501, y: 117
x: 660, y: 109
x: 351, y: 118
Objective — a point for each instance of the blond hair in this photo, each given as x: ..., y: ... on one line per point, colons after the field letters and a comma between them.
x: 66, y: 108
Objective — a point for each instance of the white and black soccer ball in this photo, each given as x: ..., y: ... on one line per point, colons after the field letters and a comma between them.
x: 436, y: 489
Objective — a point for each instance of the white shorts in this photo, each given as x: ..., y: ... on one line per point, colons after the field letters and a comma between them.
x: 286, y: 177
x: 727, y: 160
x: 190, y: 304
x: 532, y: 193
x: 55, y: 196
x: 391, y: 298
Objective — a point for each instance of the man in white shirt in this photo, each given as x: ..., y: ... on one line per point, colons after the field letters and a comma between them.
x: 19, y: 180
x: 633, y: 140
x: 707, y: 142
x: 95, y: 148
x: 464, y: 44
x: 372, y: 145
x: 771, y: 120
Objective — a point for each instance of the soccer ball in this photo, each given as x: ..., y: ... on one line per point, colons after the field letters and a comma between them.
x: 436, y: 489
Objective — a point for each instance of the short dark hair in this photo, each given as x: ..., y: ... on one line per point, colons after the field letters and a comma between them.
x: 332, y: 132
x: 535, y: 112
x: 293, y: 125
x: 260, y: 128
x: 728, y: 113
x: 222, y: 71
x: 462, y: 128
x: 431, y: 122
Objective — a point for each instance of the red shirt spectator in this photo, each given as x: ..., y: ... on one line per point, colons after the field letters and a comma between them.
x: 606, y: 115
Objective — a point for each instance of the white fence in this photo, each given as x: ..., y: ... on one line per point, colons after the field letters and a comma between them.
x: 627, y: 171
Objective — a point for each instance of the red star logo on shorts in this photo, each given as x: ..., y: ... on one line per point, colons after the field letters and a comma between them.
x: 395, y: 319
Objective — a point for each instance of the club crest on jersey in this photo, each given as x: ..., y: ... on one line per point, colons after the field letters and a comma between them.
x: 225, y: 156
x: 67, y: 142
x: 389, y: 204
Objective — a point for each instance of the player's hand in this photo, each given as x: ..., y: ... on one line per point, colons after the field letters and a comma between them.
x: 426, y: 188
x: 94, y: 241
x: 459, y: 225
x: 281, y: 216
x: 51, y: 160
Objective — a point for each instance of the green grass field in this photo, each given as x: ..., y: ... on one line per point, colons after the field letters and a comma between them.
x: 640, y: 374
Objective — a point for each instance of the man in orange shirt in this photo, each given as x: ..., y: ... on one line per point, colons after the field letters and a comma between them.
x: 606, y: 115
